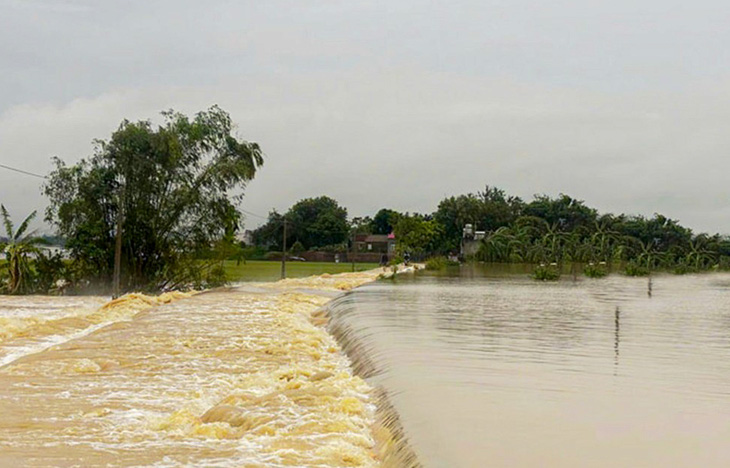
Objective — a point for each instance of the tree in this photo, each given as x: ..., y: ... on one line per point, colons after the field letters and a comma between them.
x: 361, y: 225
x: 172, y: 184
x: 271, y: 234
x: 488, y: 211
x: 17, y: 247
x: 318, y: 222
x: 385, y: 221
x: 499, y: 246
x: 417, y: 235
x: 565, y: 212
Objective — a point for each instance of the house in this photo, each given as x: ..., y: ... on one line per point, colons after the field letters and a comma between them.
x: 471, y: 240
x: 375, y: 243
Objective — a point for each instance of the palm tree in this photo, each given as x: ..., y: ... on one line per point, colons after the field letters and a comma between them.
x: 16, y: 248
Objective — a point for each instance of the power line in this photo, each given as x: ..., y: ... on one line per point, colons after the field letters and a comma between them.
x: 23, y: 172
x: 254, y: 214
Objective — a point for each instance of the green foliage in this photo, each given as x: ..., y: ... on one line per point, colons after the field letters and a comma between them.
x: 563, y: 229
x: 297, y: 248
x: 384, y: 221
x: 437, y: 263
x: 273, y: 255
x: 488, y: 210
x: 633, y: 268
x: 417, y: 235
x: 173, y: 185
x: 545, y: 230
x: 17, y: 247
x: 362, y: 225
x: 313, y: 222
x: 316, y: 222
x: 396, y: 260
x: 52, y: 273
x: 254, y: 252
x: 546, y: 272
x: 256, y: 270
x: 684, y: 269
x: 563, y: 212
x: 593, y: 270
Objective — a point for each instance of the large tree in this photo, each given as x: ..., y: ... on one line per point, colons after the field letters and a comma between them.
x: 486, y: 211
x: 385, y: 220
x: 417, y: 234
x: 313, y: 222
x: 318, y: 222
x: 176, y: 184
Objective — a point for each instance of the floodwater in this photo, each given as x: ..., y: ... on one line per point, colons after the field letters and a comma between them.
x: 241, y: 377
x: 503, y: 371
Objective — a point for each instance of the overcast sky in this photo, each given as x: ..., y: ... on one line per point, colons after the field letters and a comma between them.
x: 624, y: 104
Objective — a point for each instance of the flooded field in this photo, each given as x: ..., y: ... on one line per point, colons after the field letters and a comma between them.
x: 239, y: 377
x: 498, y: 370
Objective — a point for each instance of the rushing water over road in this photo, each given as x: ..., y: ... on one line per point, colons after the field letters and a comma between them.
x: 242, y: 377
x: 504, y: 371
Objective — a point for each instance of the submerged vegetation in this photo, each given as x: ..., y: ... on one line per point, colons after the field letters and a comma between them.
x: 564, y: 230
x: 439, y: 263
x: 593, y: 270
x: 544, y: 272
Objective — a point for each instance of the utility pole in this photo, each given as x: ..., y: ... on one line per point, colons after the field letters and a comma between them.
x: 352, y: 251
x: 117, y: 279
x: 283, y: 254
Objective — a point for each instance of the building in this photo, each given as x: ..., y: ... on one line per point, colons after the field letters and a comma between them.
x: 471, y: 240
x: 375, y: 243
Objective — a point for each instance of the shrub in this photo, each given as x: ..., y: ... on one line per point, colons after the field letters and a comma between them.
x: 634, y: 269
x: 593, y: 270
x: 273, y: 255
x: 437, y: 263
x: 683, y: 269
x: 396, y: 260
x: 50, y: 269
x: 546, y: 273
x: 297, y: 248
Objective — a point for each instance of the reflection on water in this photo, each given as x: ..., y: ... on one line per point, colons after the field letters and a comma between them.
x: 491, y: 369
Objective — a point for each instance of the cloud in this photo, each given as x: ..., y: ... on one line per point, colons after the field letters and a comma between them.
x: 406, y: 137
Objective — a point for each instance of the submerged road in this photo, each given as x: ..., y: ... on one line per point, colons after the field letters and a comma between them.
x: 239, y: 377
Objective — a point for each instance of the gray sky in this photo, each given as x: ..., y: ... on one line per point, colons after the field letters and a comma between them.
x: 392, y: 103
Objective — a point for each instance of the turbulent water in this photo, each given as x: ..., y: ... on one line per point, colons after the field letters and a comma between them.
x: 503, y: 371
x: 238, y: 377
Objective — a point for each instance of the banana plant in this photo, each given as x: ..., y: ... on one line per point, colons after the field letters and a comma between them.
x: 17, y: 248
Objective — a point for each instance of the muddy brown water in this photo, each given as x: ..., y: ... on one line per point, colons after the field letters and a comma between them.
x: 493, y: 369
x: 234, y: 378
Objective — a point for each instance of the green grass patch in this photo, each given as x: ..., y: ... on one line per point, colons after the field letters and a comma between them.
x: 261, y: 270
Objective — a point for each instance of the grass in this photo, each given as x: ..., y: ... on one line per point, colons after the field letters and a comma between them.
x: 260, y: 270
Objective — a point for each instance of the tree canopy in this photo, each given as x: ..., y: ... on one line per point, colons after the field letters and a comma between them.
x: 313, y: 222
x: 176, y: 184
